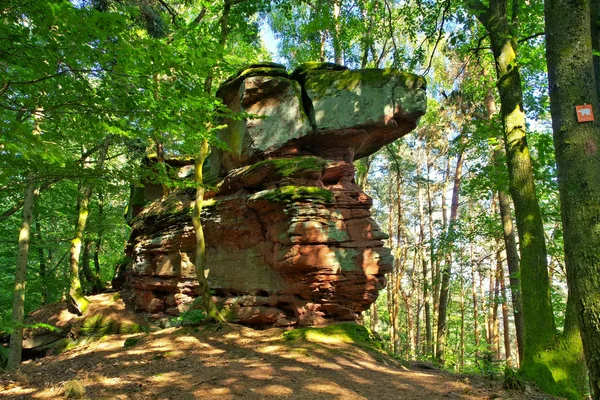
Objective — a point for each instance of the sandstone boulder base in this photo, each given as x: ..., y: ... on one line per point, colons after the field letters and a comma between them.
x: 290, y: 238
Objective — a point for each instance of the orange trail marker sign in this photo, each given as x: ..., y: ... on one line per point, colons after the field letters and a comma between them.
x: 584, y: 113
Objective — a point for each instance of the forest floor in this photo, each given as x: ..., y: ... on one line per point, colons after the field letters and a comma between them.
x: 235, y: 362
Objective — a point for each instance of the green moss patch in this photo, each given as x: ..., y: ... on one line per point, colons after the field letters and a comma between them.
x: 558, y: 369
x: 288, y: 194
x: 130, y: 342
x: 338, y: 333
x: 286, y: 167
x: 100, y: 325
x: 323, y: 81
x: 262, y: 69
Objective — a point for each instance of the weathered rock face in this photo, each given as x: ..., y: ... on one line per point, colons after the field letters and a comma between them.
x: 289, y: 236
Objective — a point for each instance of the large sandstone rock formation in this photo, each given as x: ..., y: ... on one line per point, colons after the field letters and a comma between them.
x: 290, y: 240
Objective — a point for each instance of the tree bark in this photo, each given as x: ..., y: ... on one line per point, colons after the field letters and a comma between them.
x: 98, y: 242
x: 477, y: 332
x: 18, y: 311
x: 200, y: 260
x: 571, y: 79
x: 447, y: 270
x: 541, y: 360
x: 76, y: 297
x: 505, y: 322
x: 512, y: 255
x: 42, y: 262
x: 424, y: 262
x: 512, y: 259
x: 494, y: 301
x: 87, y: 270
x: 337, y: 40
x: 462, y: 322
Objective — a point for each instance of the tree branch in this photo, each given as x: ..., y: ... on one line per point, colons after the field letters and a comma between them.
x: 441, y: 33
x: 173, y: 14
x: 525, y: 39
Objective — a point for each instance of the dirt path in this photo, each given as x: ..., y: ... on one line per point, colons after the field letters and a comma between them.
x: 234, y: 362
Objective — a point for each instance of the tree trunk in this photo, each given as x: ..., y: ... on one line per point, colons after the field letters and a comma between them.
x: 322, y: 48
x: 477, y: 333
x: 505, y: 322
x: 447, y: 271
x: 98, y: 242
x: 87, y: 270
x: 486, y: 315
x: 424, y: 262
x: 595, y: 28
x: 570, y: 74
x: 76, y: 297
x: 437, y: 273
x: 201, y: 271
x: 512, y: 255
x: 337, y: 40
x: 462, y: 323
x: 541, y: 361
x: 512, y: 259
x: 494, y: 300
x: 42, y: 262
x: 374, y: 317
x: 18, y: 311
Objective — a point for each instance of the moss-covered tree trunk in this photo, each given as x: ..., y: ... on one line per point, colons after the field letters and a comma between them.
x: 201, y: 272
x: 18, y: 311
x: 595, y: 28
x: 572, y: 82
x: 76, y: 297
x: 547, y: 359
x: 512, y: 254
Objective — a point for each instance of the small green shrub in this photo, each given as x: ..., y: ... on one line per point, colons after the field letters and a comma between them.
x: 189, y: 318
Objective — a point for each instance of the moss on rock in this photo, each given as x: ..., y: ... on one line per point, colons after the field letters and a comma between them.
x: 324, y: 81
x: 100, y: 325
x: 261, y: 69
x: 288, y: 194
x: 337, y: 333
x: 286, y: 167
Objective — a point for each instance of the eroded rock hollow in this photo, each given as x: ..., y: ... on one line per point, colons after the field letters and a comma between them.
x: 290, y: 238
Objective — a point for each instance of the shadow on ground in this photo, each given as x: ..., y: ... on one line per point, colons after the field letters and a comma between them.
x: 235, y: 362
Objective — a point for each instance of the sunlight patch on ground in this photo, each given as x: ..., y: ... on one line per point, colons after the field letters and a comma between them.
x: 222, y: 390
x: 357, y: 379
x: 275, y: 390
x: 191, y: 340
x: 262, y: 373
x: 167, y: 377
x: 334, y: 390
x: 292, y: 369
x: 269, y: 349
